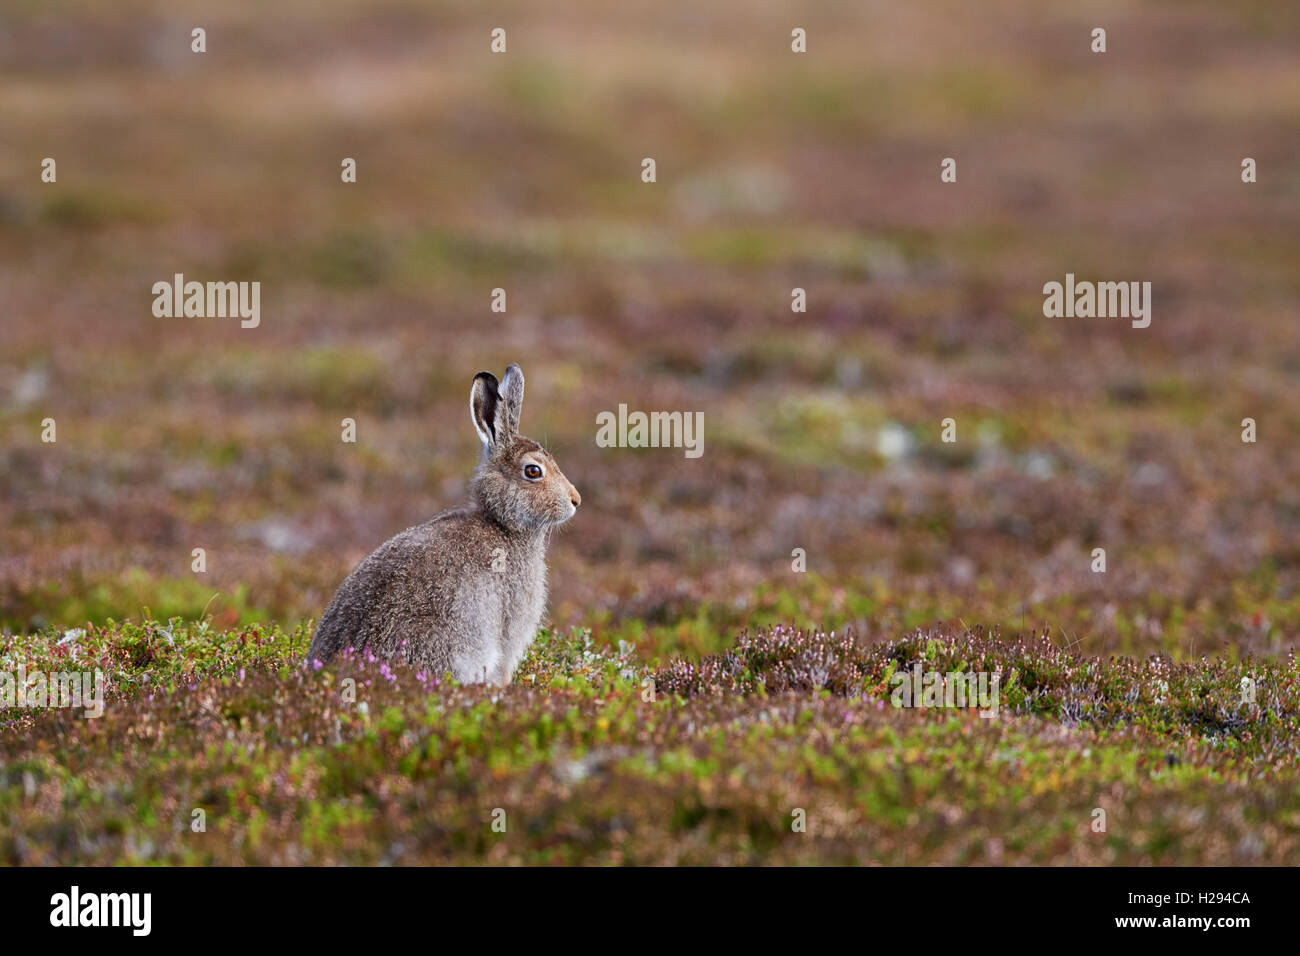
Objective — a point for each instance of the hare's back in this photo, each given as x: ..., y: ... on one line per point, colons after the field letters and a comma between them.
x: 414, y: 575
x: 413, y: 568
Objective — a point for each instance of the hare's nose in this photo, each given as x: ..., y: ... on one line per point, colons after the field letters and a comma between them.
x: 575, y: 497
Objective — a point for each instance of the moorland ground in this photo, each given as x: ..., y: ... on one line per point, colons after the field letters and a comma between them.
x: 822, y: 429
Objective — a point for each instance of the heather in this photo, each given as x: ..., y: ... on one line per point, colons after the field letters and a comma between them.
x: 597, y: 756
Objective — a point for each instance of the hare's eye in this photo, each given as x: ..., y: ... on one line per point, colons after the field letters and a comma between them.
x: 532, y: 472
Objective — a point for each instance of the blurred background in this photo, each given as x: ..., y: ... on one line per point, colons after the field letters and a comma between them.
x: 775, y: 171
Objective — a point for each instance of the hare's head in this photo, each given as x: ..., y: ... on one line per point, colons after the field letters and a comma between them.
x: 517, y: 482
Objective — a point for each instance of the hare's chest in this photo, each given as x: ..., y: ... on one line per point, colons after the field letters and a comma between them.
x: 524, y: 605
x: 523, y: 609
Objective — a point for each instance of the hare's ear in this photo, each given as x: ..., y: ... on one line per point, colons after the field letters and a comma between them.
x: 512, y: 398
x: 485, y: 408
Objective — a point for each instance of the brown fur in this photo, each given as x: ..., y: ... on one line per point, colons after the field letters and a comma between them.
x: 465, y: 591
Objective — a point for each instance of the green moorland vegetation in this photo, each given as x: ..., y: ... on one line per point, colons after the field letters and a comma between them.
x: 785, y: 749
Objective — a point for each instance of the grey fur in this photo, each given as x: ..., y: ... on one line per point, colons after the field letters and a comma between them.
x: 465, y: 591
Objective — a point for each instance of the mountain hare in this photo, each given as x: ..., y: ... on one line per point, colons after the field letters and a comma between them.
x: 464, y: 591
